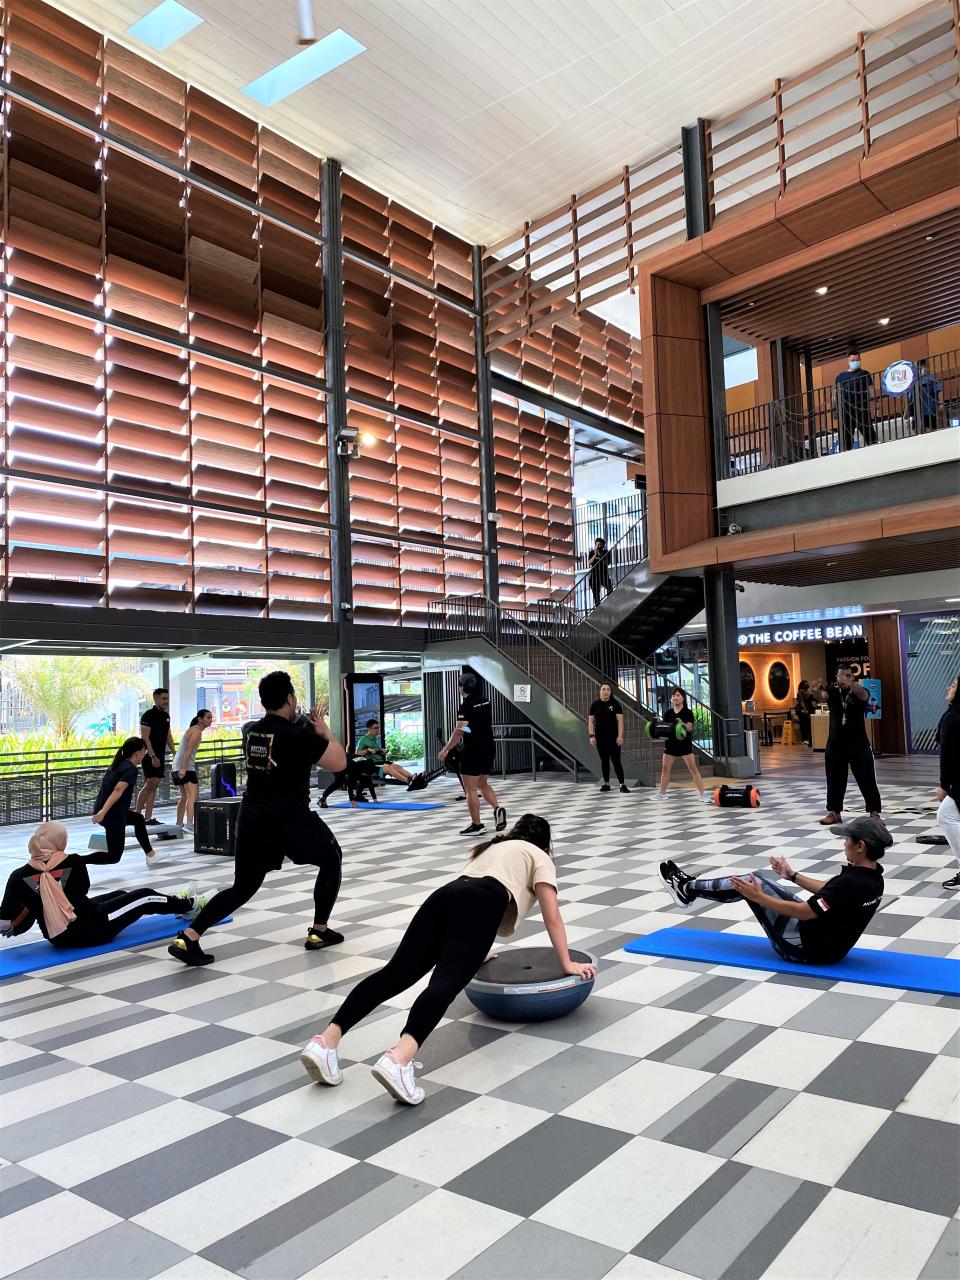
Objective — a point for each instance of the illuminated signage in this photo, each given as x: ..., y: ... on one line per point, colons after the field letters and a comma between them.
x: 898, y: 378
x: 801, y: 635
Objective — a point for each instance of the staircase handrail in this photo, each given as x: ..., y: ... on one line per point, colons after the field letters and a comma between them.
x: 640, y: 522
x: 479, y: 609
x: 616, y: 657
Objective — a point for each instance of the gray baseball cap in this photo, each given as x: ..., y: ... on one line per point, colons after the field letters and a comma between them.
x: 870, y: 830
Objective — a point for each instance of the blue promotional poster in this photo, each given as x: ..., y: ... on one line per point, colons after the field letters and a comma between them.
x: 875, y: 704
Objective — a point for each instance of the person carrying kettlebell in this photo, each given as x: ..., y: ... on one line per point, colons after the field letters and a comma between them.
x: 674, y: 747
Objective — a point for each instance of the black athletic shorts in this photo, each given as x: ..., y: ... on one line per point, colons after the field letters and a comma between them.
x: 178, y: 779
x: 151, y: 770
x: 476, y: 764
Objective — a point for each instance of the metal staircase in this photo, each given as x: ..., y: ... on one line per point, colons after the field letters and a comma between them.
x: 565, y: 659
x: 644, y: 609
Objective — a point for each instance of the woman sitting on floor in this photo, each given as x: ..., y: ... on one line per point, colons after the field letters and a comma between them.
x: 819, y: 929
x: 52, y: 890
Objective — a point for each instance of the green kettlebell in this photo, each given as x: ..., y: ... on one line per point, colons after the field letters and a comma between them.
x: 680, y: 731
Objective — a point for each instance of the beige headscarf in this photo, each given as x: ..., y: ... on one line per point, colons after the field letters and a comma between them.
x: 47, y: 847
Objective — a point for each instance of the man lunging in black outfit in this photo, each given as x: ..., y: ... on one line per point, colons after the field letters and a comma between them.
x: 847, y: 745
x: 275, y: 817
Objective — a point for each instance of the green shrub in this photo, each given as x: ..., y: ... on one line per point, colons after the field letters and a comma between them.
x: 405, y: 746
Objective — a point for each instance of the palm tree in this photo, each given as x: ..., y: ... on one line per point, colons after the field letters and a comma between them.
x: 62, y: 689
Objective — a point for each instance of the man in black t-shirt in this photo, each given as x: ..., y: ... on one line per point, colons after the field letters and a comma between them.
x: 820, y: 929
x: 276, y: 820
x: 155, y: 731
x: 847, y: 744
x: 475, y: 730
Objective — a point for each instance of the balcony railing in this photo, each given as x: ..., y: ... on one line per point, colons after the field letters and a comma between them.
x: 827, y: 420
x: 622, y: 523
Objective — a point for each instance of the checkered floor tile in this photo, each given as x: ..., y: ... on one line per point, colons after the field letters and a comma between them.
x: 687, y: 1121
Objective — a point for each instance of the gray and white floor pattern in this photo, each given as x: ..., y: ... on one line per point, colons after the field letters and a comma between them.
x: 717, y: 1123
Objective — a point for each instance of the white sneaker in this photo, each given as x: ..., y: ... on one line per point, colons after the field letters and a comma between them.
x: 320, y: 1063
x: 187, y: 828
x: 400, y: 1081
x: 200, y: 903
x: 706, y: 798
x: 155, y: 860
x: 659, y: 795
x: 189, y: 895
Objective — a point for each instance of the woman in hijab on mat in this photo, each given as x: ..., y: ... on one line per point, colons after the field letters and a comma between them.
x: 52, y: 890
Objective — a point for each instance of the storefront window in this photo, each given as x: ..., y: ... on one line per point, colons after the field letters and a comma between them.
x: 930, y: 644
x: 748, y: 681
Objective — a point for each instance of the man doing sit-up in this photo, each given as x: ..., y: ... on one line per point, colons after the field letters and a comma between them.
x: 819, y: 929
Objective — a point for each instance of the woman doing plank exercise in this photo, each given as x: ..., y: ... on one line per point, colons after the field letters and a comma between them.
x: 451, y: 934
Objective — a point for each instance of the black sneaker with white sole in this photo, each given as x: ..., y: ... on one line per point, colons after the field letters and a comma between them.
x: 674, y: 880
x: 953, y: 882
x: 317, y: 939
x: 474, y: 829
x: 500, y: 817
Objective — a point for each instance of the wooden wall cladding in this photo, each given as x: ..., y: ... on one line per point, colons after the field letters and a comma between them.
x: 532, y: 473
x: 889, y: 732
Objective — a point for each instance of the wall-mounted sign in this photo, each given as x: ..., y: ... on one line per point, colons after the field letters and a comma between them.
x: 898, y: 378
x: 801, y: 635
x: 521, y: 693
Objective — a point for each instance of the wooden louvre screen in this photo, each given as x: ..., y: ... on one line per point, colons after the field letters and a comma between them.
x: 585, y: 361
x: 533, y: 481
x: 869, y: 95
x: 166, y: 447
x: 574, y: 257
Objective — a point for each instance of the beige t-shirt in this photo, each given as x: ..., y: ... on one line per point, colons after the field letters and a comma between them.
x: 520, y: 866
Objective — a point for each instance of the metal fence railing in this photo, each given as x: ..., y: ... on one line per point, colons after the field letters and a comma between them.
x: 38, y: 786
x: 830, y: 420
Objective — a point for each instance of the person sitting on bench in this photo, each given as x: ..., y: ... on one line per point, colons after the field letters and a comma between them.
x: 52, y: 890
x: 819, y: 929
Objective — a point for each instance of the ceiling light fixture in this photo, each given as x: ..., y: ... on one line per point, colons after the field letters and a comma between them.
x: 930, y: 235
x: 304, y: 67
x: 368, y: 438
x: 884, y: 320
x: 822, y: 289
x: 165, y: 25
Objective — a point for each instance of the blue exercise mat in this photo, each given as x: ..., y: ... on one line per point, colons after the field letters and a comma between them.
x: 875, y: 968
x: 28, y: 957
x: 402, y: 805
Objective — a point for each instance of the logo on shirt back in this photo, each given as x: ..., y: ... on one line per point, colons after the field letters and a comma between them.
x: 258, y: 749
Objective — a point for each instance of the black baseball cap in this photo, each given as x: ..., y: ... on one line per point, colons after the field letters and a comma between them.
x: 870, y: 830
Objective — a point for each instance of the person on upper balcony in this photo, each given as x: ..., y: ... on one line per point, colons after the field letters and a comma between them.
x: 853, y: 401
x: 599, y: 562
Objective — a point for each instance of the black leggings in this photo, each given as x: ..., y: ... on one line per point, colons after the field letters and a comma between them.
x: 451, y: 933
x: 609, y: 751
x: 783, y: 931
x: 117, y: 837
x: 310, y: 840
x: 115, y: 912
x: 858, y: 758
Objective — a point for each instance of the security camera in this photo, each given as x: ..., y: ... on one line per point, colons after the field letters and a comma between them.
x: 738, y: 586
x: 734, y: 528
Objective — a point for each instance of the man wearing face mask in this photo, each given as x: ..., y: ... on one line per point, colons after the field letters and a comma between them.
x: 853, y: 394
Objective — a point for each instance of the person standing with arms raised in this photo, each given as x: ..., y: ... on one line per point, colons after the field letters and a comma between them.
x: 276, y: 820
x: 605, y: 727
x: 847, y: 745
x: 475, y: 730
x: 155, y: 731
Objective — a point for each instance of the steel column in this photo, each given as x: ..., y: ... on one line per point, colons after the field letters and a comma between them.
x: 488, y: 490
x: 341, y: 568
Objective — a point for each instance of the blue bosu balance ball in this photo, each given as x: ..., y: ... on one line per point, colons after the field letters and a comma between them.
x: 526, y: 984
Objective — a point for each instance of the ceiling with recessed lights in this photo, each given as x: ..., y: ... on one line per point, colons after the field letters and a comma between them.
x: 481, y: 113
x: 885, y: 291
